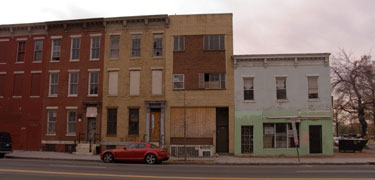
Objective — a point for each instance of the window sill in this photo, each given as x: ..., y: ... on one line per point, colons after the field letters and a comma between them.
x: 114, y: 59
x: 282, y: 101
x: 34, y: 96
x: 16, y: 96
x: 50, y: 134
x: 70, y: 134
x: 1, y: 96
x: 135, y: 58
x: 54, y: 61
x: 74, y: 60
x: 72, y: 95
x: 157, y: 57
x: 112, y: 95
x: 52, y: 96
x: 37, y: 62
x: 313, y: 100
x: 180, y: 89
x: 20, y: 62
x: 94, y: 59
x: 92, y: 95
x: 133, y: 95
x: 3, y: 63
x: 157, y: 95
x: 249, y: 101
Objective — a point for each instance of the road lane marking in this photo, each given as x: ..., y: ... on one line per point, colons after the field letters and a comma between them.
x: 72, y: 166
x: 164, y: 177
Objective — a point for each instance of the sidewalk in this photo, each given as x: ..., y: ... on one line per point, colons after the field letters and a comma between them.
x: 366, y: 157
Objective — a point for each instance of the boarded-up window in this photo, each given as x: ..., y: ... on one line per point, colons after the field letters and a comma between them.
x: 18, y: 85
x: 35, y: 84
x: 134, y: 83
x: 281, y: 87
x: 157, y: 80
x: 2, y: 85
x: 21, y: 51
x: 113, y: 83
x: 114, y: 46
x: 313, y: 87
x: 3, y: 51
x: 248, y: 86
x: 74, y: 54
x: 38, y: 49
x: 111, y: 121
x: 133, y: 121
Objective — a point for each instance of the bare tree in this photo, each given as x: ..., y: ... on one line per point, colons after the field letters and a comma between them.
x: 353, y: 83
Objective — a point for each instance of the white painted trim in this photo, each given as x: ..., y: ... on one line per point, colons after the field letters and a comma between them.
x: 71, y: 134
x: 312, y: 75
x: 135, y: 33
x: 52, y: 107
x: 19, y: 72
x: 55, y: 142
x: 92, y: 95
x: 249, y: 101
x: 21, y: 39
x: 16, y: 96
x: 75, y: 36
x: 53, y: 71
x: 113, y: 69
x: 93, y: 70
x: 97, y: 34
x: 282, y: 75
x: 73, y: 60
x: 1, y: 96
x: 157, y: 68
x: 3, y: 63
x: 157, y: 32
x: 4, y: 40
x: 3, y: 72
x: 34, y: 96
x: 22, y: 62
x: 72, y: 95
x: 248, y: 76
x: 134, y: 69
x: 114, y: 34
x: 73, y: 70
x: 51, y: 134
x: 56, y: 37
x: 38, y: 38
x: 34, y: 72
x: 71, y: 107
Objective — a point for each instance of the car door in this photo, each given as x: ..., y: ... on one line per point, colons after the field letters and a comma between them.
x: 127, y: 152
x: 140, y: 151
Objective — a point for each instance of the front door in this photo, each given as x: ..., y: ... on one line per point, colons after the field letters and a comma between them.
x: 91, y: 128
x: 315, y: 135
x: 155, y: 117
x: 222, y: 134
x: 246, y: 139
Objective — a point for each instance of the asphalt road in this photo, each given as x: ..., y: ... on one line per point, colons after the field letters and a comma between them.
x: 22, y: 169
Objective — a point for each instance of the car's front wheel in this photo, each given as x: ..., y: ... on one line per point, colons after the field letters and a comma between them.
x: 151, y: 159
x: 108, y: 158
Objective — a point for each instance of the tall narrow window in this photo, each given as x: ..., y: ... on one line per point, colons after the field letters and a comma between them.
x: 95, y: 47
x: 51, y: 129
x: 2, y: 85
x: 75, y: 48
x: 248, y: 87
x: 134, y: 83
x: 35, y: 84
x: 157, y: 80
x: 133, y: 121
x: 18, y: 85
x: 179, y: 43
x: 158, y: 45
x: 38, y: 50
x: 312, y: 82
x: 73, y: 83
x: 54, y: 84
x: 178, y: 81
x: 4, y: 44
x: 71, y: 127
x: 56, y: 46
x: 114, y: 46
x: 214, y: 42
x: 21, y: 51
x: 94, y: 83
x: 136, y: 46
x: 246, y: 139
x: 113, y: 83
x: 281, y: 88
x: 111, y: 121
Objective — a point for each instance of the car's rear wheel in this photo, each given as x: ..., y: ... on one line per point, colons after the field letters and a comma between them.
x: 108, y: 158
x: 151, y: 159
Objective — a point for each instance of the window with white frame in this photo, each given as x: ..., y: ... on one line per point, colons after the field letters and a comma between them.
x: 54, y: 84
x: 281, y: 88
x: 112, y: 83
x: 95, y: 48
x: 158, y: 45
x: 38, y: 50
x: 248, y: 88
x: 114, y: 46
x: 72, y: 120
x: 178, y: 81
x: 179, y: 43
x: 212, y: 80
x: 56, y: 46
x: 214, y: 42
x: 94, y: 83
x: 75, y: 47
x: 136, y: 46
x: 51, y: 129
x: 73, y: 83
x: 312, y: 83
x: 279, y: 135
x: 21, y: 51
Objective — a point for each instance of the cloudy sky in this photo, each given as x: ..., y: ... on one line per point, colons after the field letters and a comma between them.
x: 260, y: 26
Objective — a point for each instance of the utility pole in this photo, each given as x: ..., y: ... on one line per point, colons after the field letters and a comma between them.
x: 185, y: 152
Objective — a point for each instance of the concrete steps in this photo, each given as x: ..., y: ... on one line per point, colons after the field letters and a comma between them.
x: 84, y: 149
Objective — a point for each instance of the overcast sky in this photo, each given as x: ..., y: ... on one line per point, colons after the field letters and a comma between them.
x: 260, y: 26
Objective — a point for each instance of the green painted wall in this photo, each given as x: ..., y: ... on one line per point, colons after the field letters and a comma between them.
x: 257, y: 118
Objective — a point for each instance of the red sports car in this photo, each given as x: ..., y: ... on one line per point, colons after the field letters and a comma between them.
x: 146, y: 152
